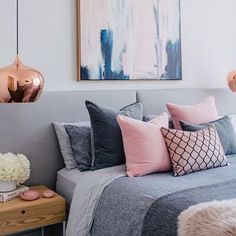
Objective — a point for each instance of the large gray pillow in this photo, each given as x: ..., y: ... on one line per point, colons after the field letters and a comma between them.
x: 80, y: 139
x: 233, y: 121
x: 64, y: 142
x: 224, y: 129
x: 106, y: 141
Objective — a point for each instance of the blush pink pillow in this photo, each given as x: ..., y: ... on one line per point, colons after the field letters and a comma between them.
x: 144, y: 145
x: 200, y: 113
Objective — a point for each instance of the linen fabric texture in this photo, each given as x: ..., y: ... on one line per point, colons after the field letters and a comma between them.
x: 224, y: 129
x: 233, y: 121
x: 144, y: 145
x: 64, y: 142
x: 194, y: 151
x: 80, y: 139
x: 147, y: 118
x: 106, y: 139
x: 200, y: 113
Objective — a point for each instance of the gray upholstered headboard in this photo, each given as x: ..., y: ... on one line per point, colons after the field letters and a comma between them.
x: 154, y: 100
x: 27, y: 128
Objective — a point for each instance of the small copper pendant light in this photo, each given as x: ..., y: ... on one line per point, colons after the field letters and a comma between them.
x: 19, y: 83
x: 231, y: 79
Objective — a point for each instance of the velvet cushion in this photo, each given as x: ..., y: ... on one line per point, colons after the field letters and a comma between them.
x: 225, y: 131
x: 233, y: 121
x: 64, y: 142
x: 147, y: 118
x: 203, y: 112
x: 80, y: 139
x: 194, y: 151
x: 144, y: 145
x: 106, y: 140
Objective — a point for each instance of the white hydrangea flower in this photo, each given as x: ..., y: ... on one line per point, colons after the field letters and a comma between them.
x: 14, y: 167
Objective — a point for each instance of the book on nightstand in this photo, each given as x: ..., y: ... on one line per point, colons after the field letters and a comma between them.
x: 7, y: 196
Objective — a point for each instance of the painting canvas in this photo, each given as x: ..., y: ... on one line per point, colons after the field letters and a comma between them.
x: 129, y: 40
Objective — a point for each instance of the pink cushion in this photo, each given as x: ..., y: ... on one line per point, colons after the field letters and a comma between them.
x: 144, y: 145
x: 194, y: 151
x: 200, y: 113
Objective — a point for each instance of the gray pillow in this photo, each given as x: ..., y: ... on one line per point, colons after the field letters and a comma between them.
x: 224, y: 129
x: 64, y: 142
x: 150, y: 117
x: 80, y: 139
x: 233, y: 121
x: 106, y: 141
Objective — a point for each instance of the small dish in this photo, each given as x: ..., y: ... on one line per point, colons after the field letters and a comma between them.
x: 48, y: 194
x: 30, y: 195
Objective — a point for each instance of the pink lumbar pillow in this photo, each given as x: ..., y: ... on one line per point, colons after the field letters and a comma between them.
x: 200, y: 113
x: 144, y: 145
x: 194, y: 151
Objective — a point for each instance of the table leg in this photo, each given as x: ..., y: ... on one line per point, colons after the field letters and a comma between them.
x: 64, y: 228
x: 42, y: 231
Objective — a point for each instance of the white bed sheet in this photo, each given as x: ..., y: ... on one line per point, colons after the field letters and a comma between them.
x: 66, y: 182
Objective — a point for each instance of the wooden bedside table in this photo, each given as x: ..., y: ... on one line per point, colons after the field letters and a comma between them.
x: 18, y: 215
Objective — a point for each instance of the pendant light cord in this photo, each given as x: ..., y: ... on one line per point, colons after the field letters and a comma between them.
x: 17, y: 27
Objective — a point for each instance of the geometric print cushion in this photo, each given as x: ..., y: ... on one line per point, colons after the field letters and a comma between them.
x: 194, y: 151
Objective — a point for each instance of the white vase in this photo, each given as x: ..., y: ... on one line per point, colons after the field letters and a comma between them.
x: 7, y: 186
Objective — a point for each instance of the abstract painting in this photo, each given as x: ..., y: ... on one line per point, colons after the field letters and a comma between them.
x: 129, y: 40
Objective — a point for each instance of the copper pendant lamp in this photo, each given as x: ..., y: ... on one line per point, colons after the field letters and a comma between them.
x: 231, y: 78
x: 19, y: 83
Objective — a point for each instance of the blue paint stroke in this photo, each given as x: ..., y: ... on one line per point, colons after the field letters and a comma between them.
x: 84, y: 73
x: 100, y: 72
x: 173, y: 68
x: 106, y: 73
x: 106, y: 38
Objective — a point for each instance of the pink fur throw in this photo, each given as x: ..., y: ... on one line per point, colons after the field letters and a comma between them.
x: 216, y: 218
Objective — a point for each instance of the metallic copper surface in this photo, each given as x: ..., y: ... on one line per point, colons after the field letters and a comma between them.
x: 231, y: 78
x: 19, y: 83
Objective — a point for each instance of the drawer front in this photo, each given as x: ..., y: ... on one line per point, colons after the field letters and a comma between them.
x: 25, y: 218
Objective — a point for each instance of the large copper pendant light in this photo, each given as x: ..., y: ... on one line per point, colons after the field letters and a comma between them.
x: 19, y: 83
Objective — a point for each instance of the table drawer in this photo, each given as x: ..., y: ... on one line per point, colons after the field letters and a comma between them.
x: 32, y: 216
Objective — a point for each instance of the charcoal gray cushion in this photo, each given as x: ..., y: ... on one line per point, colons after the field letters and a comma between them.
x: 80, y: 139
x: 150, y: 117
x: 64, y: 142
x: 106, y: 139
x: 224, y: 129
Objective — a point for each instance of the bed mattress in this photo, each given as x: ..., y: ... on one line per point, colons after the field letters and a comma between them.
x: 120, y: 206
x: 137, y: 206
x: 66, y: 182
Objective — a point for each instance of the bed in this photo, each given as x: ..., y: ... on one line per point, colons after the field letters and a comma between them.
x: 109, y: 203
x: 25, y: 130
x: 66, y: 182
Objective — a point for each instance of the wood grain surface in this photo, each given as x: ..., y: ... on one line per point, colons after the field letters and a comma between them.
x: 18, y: 215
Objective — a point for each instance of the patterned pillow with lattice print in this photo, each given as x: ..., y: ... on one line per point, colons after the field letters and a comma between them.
x: 194, y: 151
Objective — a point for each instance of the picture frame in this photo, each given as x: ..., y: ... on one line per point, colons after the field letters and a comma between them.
x: 118, y: 49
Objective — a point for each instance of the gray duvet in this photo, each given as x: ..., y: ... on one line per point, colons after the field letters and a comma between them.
x: 105, y: 203
x: 162, y: 215
x: 87, y: 193
x: 126, y: 202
